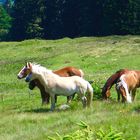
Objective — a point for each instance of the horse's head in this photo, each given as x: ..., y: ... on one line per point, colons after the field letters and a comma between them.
x: 105, y: 93
x: 25, y: 71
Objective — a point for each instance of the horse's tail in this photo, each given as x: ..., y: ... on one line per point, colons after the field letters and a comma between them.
x: 82, y: 73
x: 110, y: 82
x: 89, y: 94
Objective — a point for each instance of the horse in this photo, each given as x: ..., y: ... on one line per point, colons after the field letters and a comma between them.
x: 57, y: 85
x: 127, y: 82
x: 113, y: 79
x: 64, y: 72
x: 45, y: 95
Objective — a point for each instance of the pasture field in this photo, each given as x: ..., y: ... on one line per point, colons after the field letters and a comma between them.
x: 22, y: 117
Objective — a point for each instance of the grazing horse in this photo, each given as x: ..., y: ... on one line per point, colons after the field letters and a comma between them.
x: 57, y: 85
x: 113, y: 79
x: 64, y: 72
x: 127, y: 81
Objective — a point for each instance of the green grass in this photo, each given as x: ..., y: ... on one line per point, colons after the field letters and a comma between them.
x: 22, y: 116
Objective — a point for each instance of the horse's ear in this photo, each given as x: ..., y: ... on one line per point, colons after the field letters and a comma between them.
x: 29, y: 65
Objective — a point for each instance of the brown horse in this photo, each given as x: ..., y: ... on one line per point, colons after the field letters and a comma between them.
x: 127, y: 81
x: 64, y: 72
x: 113, y: 79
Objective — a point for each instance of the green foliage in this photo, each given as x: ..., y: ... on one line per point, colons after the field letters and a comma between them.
x: 28, y: 17
x: 110, y: 135
x: 86, y: 133
x: 97, y: 90
x: 60, y: 18
x: 5, y: 23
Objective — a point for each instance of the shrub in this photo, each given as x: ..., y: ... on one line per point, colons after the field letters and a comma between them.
x: 97, y: 91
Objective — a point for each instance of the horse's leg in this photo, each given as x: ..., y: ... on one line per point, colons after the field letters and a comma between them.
x: 52, y: 102
x: 83, y: 98
x: 69, y: 98
x: 133, y: 94
x: 55, y: 98
x: 84, y: 101
x: 123, y: 94
x: 118, y: 92
x: 45, y: 97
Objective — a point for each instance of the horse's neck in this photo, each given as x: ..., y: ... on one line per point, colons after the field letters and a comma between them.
x: 45, y: 76
x: 41, y: 74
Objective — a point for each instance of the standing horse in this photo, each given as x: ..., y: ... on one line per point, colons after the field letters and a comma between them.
x: 57, y: 85
x: 64, y: 72
x: 127, y: 81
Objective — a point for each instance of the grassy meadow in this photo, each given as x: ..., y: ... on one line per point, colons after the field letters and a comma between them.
x: 22, y: 117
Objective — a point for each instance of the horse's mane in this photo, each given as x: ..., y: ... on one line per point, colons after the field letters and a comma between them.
x: 113, y: 79
x: 38, y: 68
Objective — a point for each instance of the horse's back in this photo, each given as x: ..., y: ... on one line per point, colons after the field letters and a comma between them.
x: 131, y: 79
x: 68, y: 71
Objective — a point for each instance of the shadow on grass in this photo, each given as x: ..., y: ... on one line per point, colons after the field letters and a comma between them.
x: 38, y: 110
x: 137, y: 109
x: 58, y: 108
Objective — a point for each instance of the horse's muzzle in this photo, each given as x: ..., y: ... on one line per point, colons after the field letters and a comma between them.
x: 28, y: 77
x: 19, y: 77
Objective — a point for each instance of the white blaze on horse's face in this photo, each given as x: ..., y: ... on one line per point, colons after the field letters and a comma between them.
x: 22, y: 74
x: 24, y: 71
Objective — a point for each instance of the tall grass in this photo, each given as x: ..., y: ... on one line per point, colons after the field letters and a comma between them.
x: 23, y: 117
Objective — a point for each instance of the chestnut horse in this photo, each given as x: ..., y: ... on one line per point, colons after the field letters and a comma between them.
x: 57, y: 85
x: 64, y: 72
x: 113, y: 79
x: 127, y: 81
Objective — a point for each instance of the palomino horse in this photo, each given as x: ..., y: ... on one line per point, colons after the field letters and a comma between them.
x: 64, y: 72
x: 45, y: 95
x: 57, y: 85
x: 127, y: 81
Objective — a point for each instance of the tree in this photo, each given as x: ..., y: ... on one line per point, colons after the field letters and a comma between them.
x: 27, y: 22
x: 5, y: 23
x: 8, y: 5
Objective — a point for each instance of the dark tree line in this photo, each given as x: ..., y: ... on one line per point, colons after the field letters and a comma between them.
x: 52, y: 19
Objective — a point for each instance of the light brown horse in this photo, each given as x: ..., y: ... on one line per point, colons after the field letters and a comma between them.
x: 64, y: 72
x: 127, y: 81
x: 113, y: 79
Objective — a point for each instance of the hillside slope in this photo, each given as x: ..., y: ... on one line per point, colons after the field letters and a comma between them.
x: 23, y: 116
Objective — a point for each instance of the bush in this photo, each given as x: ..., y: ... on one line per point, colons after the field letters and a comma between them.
x: 97, y: 91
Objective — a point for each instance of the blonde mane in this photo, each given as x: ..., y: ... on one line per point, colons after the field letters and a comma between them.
x: 37, y: 68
